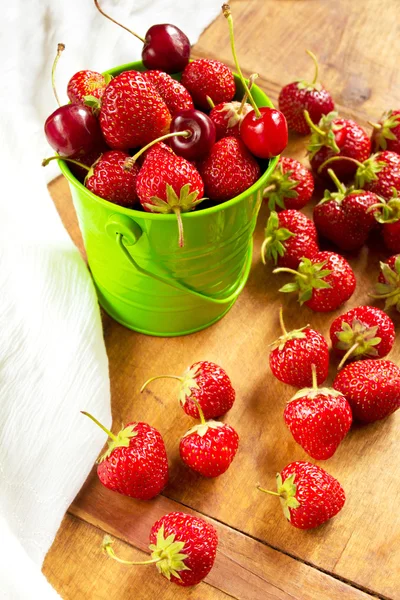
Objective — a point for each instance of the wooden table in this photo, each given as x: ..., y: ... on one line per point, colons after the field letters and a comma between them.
x: 357, y: 554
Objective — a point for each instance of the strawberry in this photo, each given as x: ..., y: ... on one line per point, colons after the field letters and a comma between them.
x: 174, y: 94
x: 343, y: 217
x: 386, y: 133
x: 318, y: 419
x: 87, y: 87
x: 309, y: 495
x: 324, y: 282
x: 135, y: 463
x: 228, y: 116
x: 388, y: 286
x: 108, y: 179
x: 380, y: 173
x: 289, y: 236
x: 132, y: 112
x: 204, y: 77
x: 168, y: 183
x: 210, y: 447
x: 228, y: 170
x: 294, y: 353
x: 299, y: 96
x: 337, y: 137
x: 364, y: 331
x: 206, y: 384
x: 388, y: 214
x: 290, y: 186
x: 372, y: 388
x: 87, y: 160
x: 183, y: 548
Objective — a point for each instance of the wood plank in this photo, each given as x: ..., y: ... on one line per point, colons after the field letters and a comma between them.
x: 244, y: 568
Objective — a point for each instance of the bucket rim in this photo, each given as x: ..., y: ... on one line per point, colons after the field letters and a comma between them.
x: 131, y: 212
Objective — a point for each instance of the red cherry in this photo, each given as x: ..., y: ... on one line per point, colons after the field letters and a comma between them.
x: 202, y: 134
x: 72, y: 130
x: 266, y: 135
x: 166, y: 48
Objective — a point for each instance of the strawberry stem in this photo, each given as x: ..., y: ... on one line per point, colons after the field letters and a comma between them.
x: 287, y: 270
x: 340, y: 186
x: 263, y: 249
x: 116, y: 22
x: 314, y: 377
x: 46, y: 161
x: 60, y: 48
x: 131, y: 161
x: 314, y: 81
x: 160, y: 377
x: 335, y: 158
x: 375, y: 125
x: 347, y: 355
x: 210, y: 102
x: 201, y: 414
x: 281, y: 321
x: 312, y: 125
x: 106, y: 546
x: 107, y: 431
x: 178, y: 213
x: 268, y: 491
x: 227, y: 14
x: 269, y: 188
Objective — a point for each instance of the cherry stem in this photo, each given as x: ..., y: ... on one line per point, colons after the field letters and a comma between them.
x: 281, y: 321
x: 60, y: 48
x: 347, y: 355
x: 107, y: 431
x: 314, y: 81
x: 177, y: 211
x: 116, y: 22
x: 227, y: 14
x: 268, y: 491
x: 335, y: 158
x: 314, y: 377
x: 312, y: 125
x: 160, y: 377
x: 46, y: 161
x: 201, y: 414
x: 263, y: 248
x: 131, y: 161
x: 287, y: 270
x: 252, y: 79
x: 110, y: 551
x: 340, y: 186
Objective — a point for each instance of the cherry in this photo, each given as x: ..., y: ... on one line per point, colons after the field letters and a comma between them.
x: 265, y: 134
x: 166, y: 47
x: 202, y: 134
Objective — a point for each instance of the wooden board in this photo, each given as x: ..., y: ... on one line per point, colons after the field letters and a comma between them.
x: 362, y: 544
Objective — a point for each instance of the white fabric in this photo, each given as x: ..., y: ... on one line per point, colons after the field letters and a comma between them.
x: 52, y: 356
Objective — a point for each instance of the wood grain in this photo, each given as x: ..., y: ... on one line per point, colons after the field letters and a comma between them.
x: 362, y: 544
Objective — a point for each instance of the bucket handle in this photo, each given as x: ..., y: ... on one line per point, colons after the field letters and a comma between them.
x: 183, y: 288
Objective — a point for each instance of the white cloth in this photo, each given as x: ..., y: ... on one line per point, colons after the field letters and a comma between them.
x: 52, y: 356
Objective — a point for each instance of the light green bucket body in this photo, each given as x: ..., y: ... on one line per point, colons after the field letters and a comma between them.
x: 149, y: 284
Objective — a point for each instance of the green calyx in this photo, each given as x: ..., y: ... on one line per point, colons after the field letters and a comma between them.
x: 202, y: 428
x: 122, y: 439
x: 93, y: 103
x: 281, y: 186
x: 367, y: 171
x: 314, y: 85
x: 389, y: 210
x: 185, y: 202
x: 323, y: 134
x: 188, y: 383
x: 309, y: 276
x: 390, y: 290
x: 341, y: 193
x: 383, y: 131
x: 168, y: 554
x: 295, y: 334
x: 272, y: 246
x: 314, y: 391
x: 357, y: 340
x: 286, y: 490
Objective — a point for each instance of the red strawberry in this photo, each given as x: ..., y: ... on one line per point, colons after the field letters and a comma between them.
x: 204, y: 77
x: 88, y: 160
x: 343, y: 216
x: 183, y: 548
x: 318, y: 419
x: 299, y: 96
x: 324, y: 282
x: 380, y: 173
x: 372, y: 388
x: 290, y: 186
x: 227, y: 118
x: 108, y: 179
x: 388, y: 286
x: 174, y: 94
x: 294, y: 353
x: 135, y: 463
x: 207, y: 384
x: 132, y: 112
x: 309, y: 495
x: 364, y: 331
x: 209, y: 448
x: 168, y: 183
x: 386, y: 133
x: 337, y: 137
x: 289, y: 236
x: 388, y: 214
x: 228, y: 170
x: 87, y: 87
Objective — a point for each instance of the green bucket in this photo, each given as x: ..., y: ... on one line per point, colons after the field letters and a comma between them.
x: 143, y: 279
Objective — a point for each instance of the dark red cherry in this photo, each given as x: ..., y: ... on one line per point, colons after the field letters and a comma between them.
x: 265, y: 135
x: 72, y: 130
x: 202, y: 134
x: 166, y: 48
